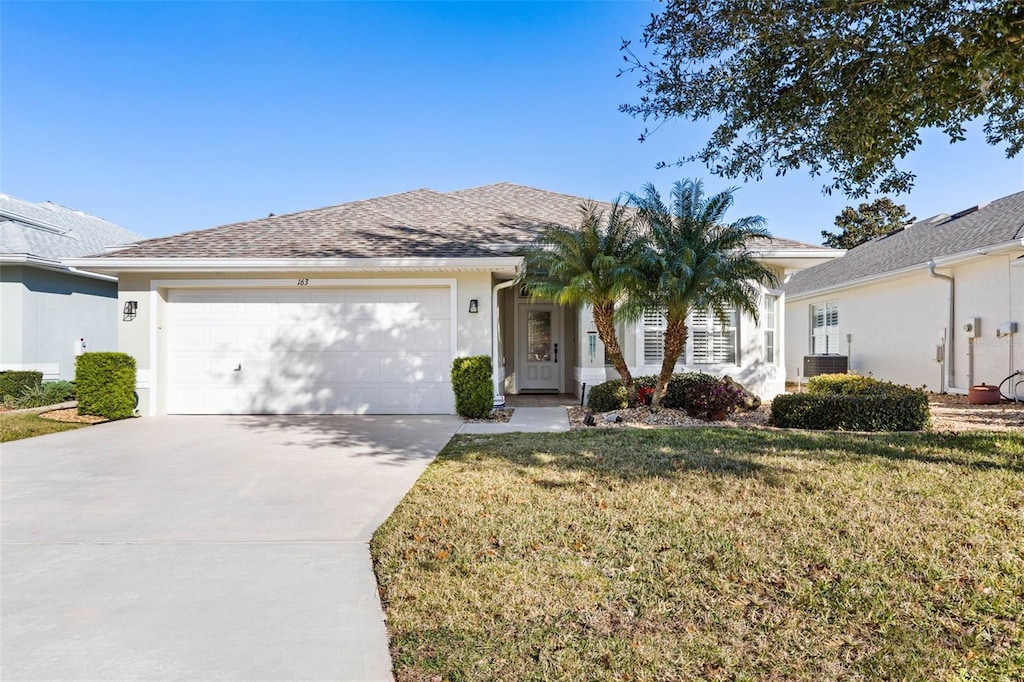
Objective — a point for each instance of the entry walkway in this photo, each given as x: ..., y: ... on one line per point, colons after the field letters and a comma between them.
x: 526, y: 420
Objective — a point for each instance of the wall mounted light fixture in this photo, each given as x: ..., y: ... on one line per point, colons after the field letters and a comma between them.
x: 131, y: 308
x: 474, y: 305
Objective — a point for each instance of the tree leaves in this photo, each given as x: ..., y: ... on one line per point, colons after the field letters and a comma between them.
x: 832, y: 87
x: 866, y: 222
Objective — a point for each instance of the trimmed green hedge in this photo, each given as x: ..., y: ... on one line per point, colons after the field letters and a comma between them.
x: 849, y: 402
x: 105, y: 383
x: 472, y: 383
x: 845, y: 384
x: 13, y: 383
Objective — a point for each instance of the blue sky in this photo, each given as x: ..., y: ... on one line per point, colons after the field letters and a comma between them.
x: 166, y: 117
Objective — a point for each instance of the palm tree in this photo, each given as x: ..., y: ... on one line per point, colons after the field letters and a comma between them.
x: 697, y: 262
x: 593, y: 264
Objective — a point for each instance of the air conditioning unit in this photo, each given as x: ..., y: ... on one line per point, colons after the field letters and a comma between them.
x: 825, y: 364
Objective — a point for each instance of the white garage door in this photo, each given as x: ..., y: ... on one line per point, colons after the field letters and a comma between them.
x: 310, y: 351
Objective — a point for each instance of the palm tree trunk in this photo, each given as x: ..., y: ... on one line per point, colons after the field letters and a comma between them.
x: 604, y: 320
x: 676, y: 334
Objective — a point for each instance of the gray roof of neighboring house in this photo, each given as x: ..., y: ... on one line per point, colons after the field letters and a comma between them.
x: 49, y: 231
x: 478, y: 222
x: 997, y: 222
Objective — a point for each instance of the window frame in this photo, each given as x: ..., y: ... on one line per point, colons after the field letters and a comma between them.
x: 829, y: 333
x: 771, y: 330
x: 700, y: 321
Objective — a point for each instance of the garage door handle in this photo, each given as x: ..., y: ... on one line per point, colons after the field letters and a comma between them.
x: 238, y: 369
x: 556, y: 352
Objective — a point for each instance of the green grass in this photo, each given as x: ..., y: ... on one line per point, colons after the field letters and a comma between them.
x: 16, y: 426
x: 720, y: 554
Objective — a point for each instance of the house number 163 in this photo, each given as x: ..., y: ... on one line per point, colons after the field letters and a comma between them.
x: 303, y: 282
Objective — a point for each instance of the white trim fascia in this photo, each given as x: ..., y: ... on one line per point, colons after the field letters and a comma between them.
x: 30, y: 261
x: 941, y: 261
x: 32, y: 222
x: 510, y: 263
x: 310, y: 283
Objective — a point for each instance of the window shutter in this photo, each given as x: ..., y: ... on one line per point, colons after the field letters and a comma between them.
x: 700, y: 337
x: 654, y: 337
x: 714, y: 342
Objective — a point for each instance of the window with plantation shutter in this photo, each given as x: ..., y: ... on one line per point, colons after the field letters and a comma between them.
x: 713, y: 340
x: 769, y: 322
x: 654, y: 337
x: 825, y: 328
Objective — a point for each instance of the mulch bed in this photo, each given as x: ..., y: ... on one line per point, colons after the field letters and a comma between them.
x: 71, y: 415
x: 501, y: 415
x: 643, y: 418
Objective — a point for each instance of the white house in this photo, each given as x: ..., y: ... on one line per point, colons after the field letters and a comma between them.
x: 361, y: 307
x: 48, y: 310
x: 939, y: 303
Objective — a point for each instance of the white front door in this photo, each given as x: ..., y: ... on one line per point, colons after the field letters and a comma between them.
x: 540, y: 347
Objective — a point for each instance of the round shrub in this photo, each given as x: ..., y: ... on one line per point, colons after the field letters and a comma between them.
x: 105, y: 384
x: 611, y: 395
x: 473, y: 387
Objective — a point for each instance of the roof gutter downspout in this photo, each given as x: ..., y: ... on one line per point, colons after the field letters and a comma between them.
x: 949, y: 327
x: 497, y: 367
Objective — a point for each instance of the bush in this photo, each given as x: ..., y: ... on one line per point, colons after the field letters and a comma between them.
x: 873, y: 406
x: 13, y: 383
x: 712, y: 399
x: 707, y: 392
x: 845, y: 384
x: 49, y: 393
x: 105, y: 384
x: 611, y: 395
x: 473, y: 386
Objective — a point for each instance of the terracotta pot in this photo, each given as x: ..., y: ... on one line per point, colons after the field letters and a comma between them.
x: 983, y: 395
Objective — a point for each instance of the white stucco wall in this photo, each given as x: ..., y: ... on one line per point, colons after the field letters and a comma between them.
x: 46, y: 312
x: 136, y: 338
x: 897, y: 323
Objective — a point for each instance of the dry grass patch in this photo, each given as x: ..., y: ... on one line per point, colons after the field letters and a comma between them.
x: 710, y: 554
x: 19, y: 425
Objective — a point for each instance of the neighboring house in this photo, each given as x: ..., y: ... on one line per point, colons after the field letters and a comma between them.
x: 47, y: 309
x: 939, y: 303
x: 360, y: 308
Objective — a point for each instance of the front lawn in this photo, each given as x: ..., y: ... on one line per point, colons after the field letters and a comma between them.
x: 18, y: 425
x: 710, y: 554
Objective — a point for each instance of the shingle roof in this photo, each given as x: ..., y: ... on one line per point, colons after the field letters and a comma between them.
x: 997, y: 222
x: 50, y: 231
x: 476, y: 222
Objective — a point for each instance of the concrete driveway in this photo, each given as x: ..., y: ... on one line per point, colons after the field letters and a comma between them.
x: 186, y: 548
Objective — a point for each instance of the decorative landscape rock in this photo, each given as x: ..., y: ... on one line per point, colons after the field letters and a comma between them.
x: 612, y: 418
x: 750, y: 401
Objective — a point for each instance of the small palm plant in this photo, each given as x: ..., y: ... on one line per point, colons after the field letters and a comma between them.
x: 595, y: 264
x: 695, y: 261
